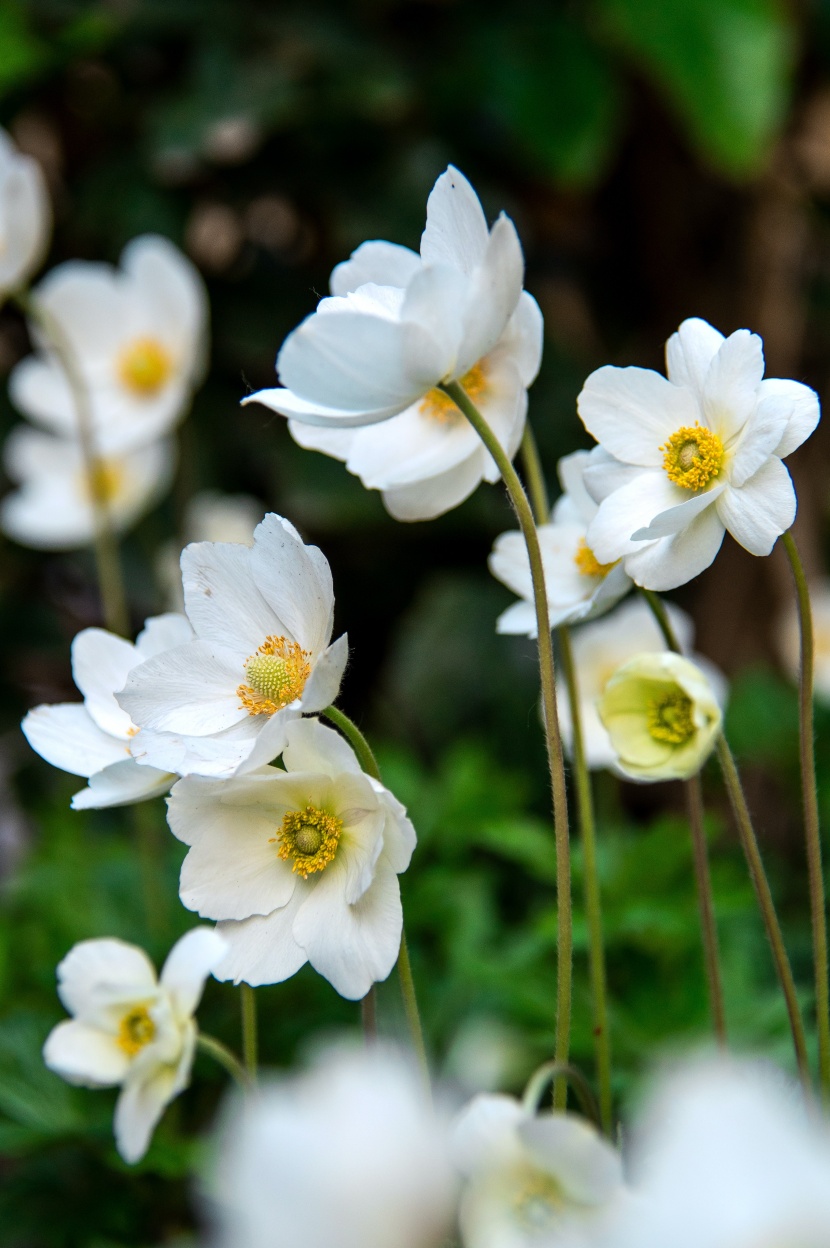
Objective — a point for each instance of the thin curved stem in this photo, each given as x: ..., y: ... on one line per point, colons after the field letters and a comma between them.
x: 812, y: 831
x: 250, y: 1044
x: 108, y: 564
x: 561, y: 1072
x: 223, y: 1055
x: 553, y: 738
x: 410, y: 1005
x: 706, y: 904
x: 361, y: 747
x: 536, y: 488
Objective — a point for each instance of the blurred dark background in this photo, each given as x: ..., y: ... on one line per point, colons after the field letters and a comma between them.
x: 660, y: 161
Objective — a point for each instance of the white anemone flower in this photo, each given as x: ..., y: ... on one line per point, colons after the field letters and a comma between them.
x: 579, y: 587
x: 130, y: 1028
x: 789, y: 642
x: 92, y: 738
x: 52, y: 508
x: 685, y: 459
x: 532, y: 1179
x: 349, y: 1153
x: 210, y: 516
x: 397, y: 325
x: 25, y: 217
x: 138, y: 338
x: 728, y: 1155
x: 262, y: 620
x: 299, y: 865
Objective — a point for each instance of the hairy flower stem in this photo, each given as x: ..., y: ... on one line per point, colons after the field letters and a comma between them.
x: 108, y: 564
x: 537, y: 491
x: 250, y: 1044
x: 223, y: 1055
x: 752, y: 853
x: 708, y: 924
x: 811, y: 820
x: 367, y: 760
x: 553, y: 737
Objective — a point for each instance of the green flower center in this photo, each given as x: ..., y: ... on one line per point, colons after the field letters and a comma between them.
x: 669, y: 718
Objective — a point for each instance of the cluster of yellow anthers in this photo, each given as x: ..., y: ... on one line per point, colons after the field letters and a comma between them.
x: 669, y: 718
x: 144, y: 366
x: 277, y: 674
x: 310, y: 837
x: 136, y: 1030
x: 439, y: 406
x: 587, y: 562
x: 693, y: 456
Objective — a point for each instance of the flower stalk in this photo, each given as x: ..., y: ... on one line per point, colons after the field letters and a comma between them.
x: 250, y: 1043
x: 553, y: 737
x: 812, y: 830
x: 708, y: 923
x: 227, y: 1060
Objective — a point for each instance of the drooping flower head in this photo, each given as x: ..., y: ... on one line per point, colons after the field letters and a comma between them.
x: 397, y: 325
x: 262, y: 619
x: 25, y: 217
x: 130, y: 1028
x: 685, y: 459
x: 298, y: 865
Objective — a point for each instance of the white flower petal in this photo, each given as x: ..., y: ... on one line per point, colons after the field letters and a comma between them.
x: 172, y: 287
x: 323, y: 685
x: 518, y: 620
x: 139, y: 1109
x: 424, y: 500
x: 95, y: 972
x: 262, y: 950
x: 331, y: 441
x: 633, y: 507
x: 632, y: 412
x: 163, y: 632
x: 523, y: 338
x: 484, y: 1133
x: 761, y: 510
x: 399, y: 839
x: 689, y: 353
x: 288, y: 579
x: 286, y: 403
x: 220, y: 755
x: 67, y: 736
x: 761, y: 435
x: 39, y: 389
x: 676, y: 518
x: 672, y: 561
x: 587, y: 1167
x: 603, y: 474
x: 101, y: 662
x: 85, y: 1055
x: 732, y: 383
x: 311, y: 746
x: 187, y: 966
x: 434, y: 301
x: 385, y: 264
x: 190, y: 689
x: 409, y: 447
x: 222, y: 600
x: 802, y: 406
x: 456, y: 228
x: 121, y: 784
x: 493, y: 296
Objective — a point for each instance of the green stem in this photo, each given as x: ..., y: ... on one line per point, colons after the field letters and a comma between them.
x: 535, y: 477
x: 557, y: 1072
x: 146, y: 828
x: 410, y: 1005
x: 249, y: 1030
x: 369, y: 1016
x: 556, y: 763
x: 110, y: 579
x: 812, y: 831
x: 223, y: 1055
x: 661, y: 615
x: 361, y: 747
x: 706, y: 903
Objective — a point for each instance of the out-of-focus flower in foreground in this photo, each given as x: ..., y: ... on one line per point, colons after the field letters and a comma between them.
x: 92, y: 738
x: 138, y: 339
x: 130, y: 1028
x: 661, y: 715
x: 397, y: 325
x: 578, y: 586
x: 262, y: 619
x: 299, y: 865
x: 52, y: 508
x: 348, y: 1154
x: 25, y: 217
x: 789, y: 645
x: 728, y: 1156
x: 545, y: 1179
x: 687, y: 458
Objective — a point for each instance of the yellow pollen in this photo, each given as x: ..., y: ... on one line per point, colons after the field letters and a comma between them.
x: 692, y: 457
x: 310, y: 837
x: 144, y: 366
x: 669, y: 718
x: 135, y: 1030
x: 276, y: 676
x: 106, y: 482
x: 587, y: 562
x: 439, y: 406
x: 538, y: 1204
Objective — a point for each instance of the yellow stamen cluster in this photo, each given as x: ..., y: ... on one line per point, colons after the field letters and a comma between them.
x: 310, y: 837
x: 106, y: 482
x: 136, y: 1030
x: 144, y: 366
x: 276, y: 674
x: 439, y: 406
x: 692, y: 457
x: 669, y: 718
x: 538, y: 1203
x: 587, y: 562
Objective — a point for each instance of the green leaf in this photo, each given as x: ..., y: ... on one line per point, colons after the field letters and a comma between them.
x: 724, y: 64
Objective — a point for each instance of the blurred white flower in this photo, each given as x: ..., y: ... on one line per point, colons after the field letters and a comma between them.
x: 299, y: 865
x: 52, y: 508
x: 532, y: 1180
x: 728, y: 1156
x: 687, y: 458
x: 209, y: 516
x: 349, y: 1154
x: 92, y: 738
x: 578, y: 586
x: 661, y: 716
x: 789, y: 643
x: 396, y: 326
x: 262, y: 620
x: 130, y: 1028
x: 25, y: 217
x: 138, y: 337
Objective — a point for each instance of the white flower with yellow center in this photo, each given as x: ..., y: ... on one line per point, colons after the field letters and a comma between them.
x: 685, y: 459
x: 299, y: 865
x: 130, y: 1028
x: 25, y: 217
x: 542, y: 1179
x: 789, y: 642
x: 52, y: 507
x: 92, y: 738
x: 138, y: 337
x: 397, y: 325
x: 262, y: 620
x: 661, y: 716
x: 348, y: 1154
x: 579, y: 587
